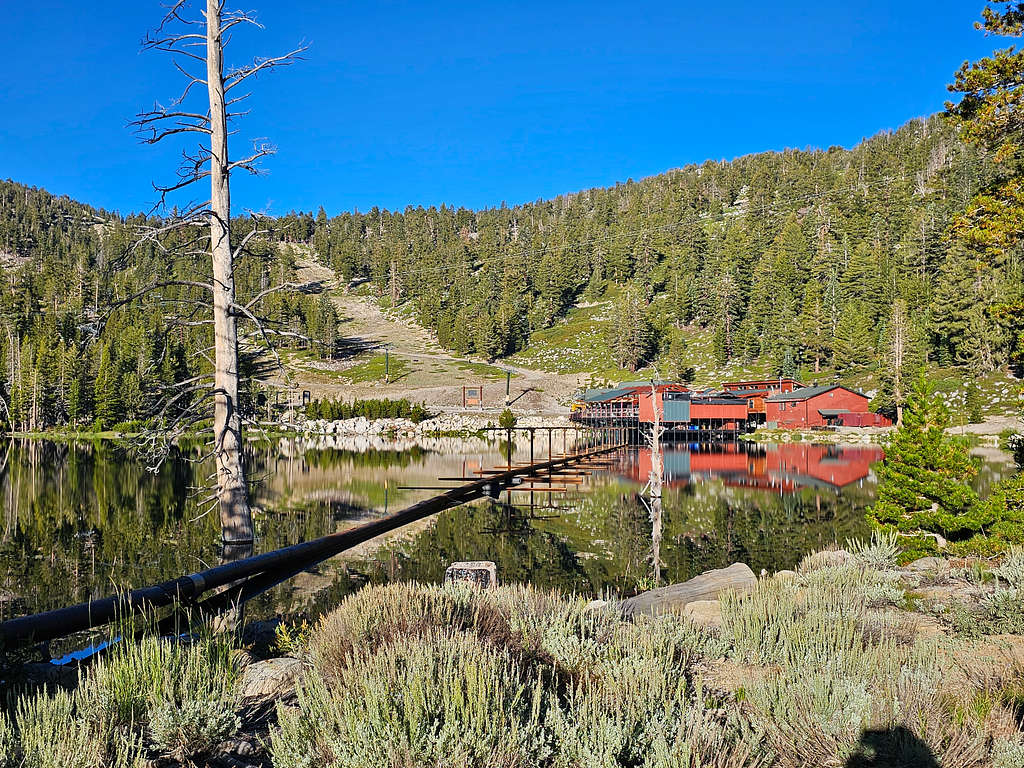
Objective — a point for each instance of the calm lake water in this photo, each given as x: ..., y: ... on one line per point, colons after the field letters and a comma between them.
x: 80, y: 518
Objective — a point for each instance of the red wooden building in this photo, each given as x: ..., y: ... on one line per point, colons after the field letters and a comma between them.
x: 755, y: 391
x: 827, y: 405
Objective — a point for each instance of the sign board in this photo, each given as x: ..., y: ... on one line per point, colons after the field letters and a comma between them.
x: 472, y: 396
x: 479, y: 573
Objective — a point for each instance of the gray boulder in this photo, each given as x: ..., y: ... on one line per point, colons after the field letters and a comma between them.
x: 707, y: 586
x: 270, y: 679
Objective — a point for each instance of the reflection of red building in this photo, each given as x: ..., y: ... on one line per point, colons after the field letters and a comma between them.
x: 828, y: 405
x: 773, y: 467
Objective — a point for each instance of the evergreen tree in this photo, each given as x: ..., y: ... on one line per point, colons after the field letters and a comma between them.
x: 853, y: 347
x: 632, y: 337
x: 814, y: 334
x: 924, y: 482
x: 107, y: 393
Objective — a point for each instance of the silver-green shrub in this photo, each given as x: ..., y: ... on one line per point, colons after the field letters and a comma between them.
x: 517, y: 676
x: 52, y: 734
x: 1007, y: 753
x: 436, y: 699
x: 192, y: 726
x: 8, y: 743
x: 879, y: 553
x: 1011, y: 570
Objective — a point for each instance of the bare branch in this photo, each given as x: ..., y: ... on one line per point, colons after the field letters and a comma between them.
x: 258, y: 65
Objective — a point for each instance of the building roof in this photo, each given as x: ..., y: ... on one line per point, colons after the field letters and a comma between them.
x: 638, y: 384
x: 832, y: 411
x: 760, y: 383
x: 806, y: 393
x: 604, y: 395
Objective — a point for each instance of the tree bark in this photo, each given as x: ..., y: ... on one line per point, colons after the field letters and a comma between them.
x: 232, y: 495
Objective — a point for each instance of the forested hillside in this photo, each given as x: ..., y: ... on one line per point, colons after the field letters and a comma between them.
x: 796, y: 258
x: 802, y: 261
x: 71, y: 354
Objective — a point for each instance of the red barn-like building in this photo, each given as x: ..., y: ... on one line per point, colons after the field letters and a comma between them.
x: 828, y: 405
x: 755, y: 392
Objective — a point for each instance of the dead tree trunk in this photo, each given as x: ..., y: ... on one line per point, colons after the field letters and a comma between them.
x: 200, y: 41
x: 232, y: 495
x: 655, y: 482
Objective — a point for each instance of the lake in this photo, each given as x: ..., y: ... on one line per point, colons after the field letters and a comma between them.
x: 80, y: 518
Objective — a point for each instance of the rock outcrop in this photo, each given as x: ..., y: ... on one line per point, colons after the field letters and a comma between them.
x: 675, y: 597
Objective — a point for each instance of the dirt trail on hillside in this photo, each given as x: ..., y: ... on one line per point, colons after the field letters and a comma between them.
x: 431, y: 374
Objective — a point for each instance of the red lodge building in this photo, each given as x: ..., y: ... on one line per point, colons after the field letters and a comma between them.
x: 755, y: 392
x: 830, y: 405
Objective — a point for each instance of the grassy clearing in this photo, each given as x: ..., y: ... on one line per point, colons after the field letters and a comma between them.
x: 482, y: 369
x: 373, y: 369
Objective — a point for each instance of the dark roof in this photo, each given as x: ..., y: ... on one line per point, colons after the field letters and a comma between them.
x: 806, y: 393
x: 832, y: 411
x: 604, y: 395
x: 761, y: 383
x: 647, y: 384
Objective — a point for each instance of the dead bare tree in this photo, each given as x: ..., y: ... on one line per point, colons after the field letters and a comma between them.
x: 654, y: 483
x: 194, y: 43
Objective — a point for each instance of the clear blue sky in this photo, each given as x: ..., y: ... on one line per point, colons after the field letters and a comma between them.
x: 477, y: 103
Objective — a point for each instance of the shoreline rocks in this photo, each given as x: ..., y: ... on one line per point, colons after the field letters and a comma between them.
x: 437, y: 433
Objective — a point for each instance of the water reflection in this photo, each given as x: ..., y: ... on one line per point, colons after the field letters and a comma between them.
x: 79, y: 519
x: 776, y: 468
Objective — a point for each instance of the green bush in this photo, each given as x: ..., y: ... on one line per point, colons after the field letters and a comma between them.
x: 339, y: 410
x: 410, y: 675
x: 175, y: 697
x: 507, y: 419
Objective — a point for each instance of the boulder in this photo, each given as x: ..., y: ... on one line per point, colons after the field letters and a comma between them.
x: 785, y: 575
x: 706, y: 587
x: 924, y: 564
x: 706, y: 613
x: 270, y: 679
x: 826, y: 558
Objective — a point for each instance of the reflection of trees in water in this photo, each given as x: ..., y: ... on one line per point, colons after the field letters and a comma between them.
x: 763, y: 530
x: 522, y: 552
x: 83, y: 518
x: 607, y: 542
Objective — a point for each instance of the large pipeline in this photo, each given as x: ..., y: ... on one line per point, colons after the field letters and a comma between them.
x: 262, y: 571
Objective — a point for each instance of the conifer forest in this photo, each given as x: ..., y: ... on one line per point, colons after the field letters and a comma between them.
x: 795, y: 258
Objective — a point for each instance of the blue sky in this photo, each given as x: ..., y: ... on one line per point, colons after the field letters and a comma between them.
x: 423, y: 103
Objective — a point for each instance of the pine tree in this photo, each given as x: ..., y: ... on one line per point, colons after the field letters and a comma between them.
x: 924, y: 482
x: 678, y: 360
x: 632, y: 337
x: 107, y: 394
x: 853, y: 347
x: 814, y: 336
